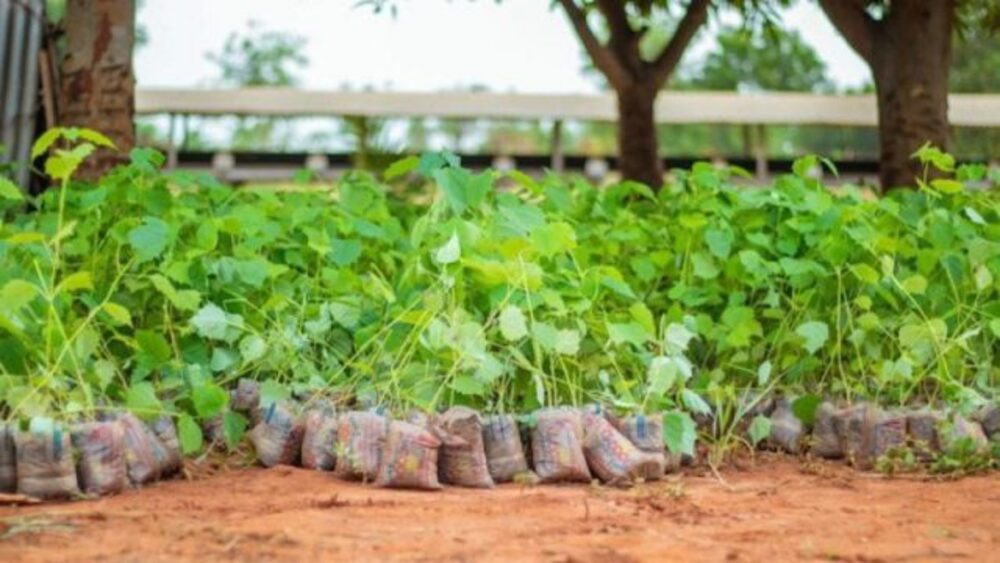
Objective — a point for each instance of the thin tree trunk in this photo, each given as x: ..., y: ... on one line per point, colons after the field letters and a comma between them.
x: 637, y: 143
x: 910, y: 64
x: 97, y: 81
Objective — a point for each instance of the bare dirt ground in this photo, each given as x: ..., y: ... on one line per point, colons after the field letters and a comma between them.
x: 777, y: 511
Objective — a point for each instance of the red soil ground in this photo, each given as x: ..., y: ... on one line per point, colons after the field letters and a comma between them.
x: 777, y: 511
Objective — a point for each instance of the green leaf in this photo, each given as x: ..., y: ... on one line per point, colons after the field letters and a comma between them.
x: 468, y: 385
x: 804, y: 408
x: 210, y: 322
x: 915, y: 284
x: 865, y: 273
x: 17, y: 294
x: 764, y: 373
x: 345, y: 251
x: 141, y: 399
x: 462, y: 189
x: 741, y: 325
x: 149, y: 239
x: 273, y: 392
x: 642, y: 315
x: 760, y: 428
x: 9, y: 190
x: 719, y: 242
x: 815, y: 334
x: 95, y: 137
x: 568, y: 342
x: 677, y: 338
x: 234, y: 426
x: 252, y: 348
x: 44, y: 141
x: 513, y: 325
x: 553, y: 238
x: 189, y: 434
x: 401, y: 167
x: 120, y: 315
x: 450, y: 252
x: 679, y: 432
x: 154, y: 345
x: 632, y: 333
x: 545, y: 335
x: 223, y: 359
x: 77, y: 281
x: 695, y: 403
x: 662, y: 374
x: 209, y: 400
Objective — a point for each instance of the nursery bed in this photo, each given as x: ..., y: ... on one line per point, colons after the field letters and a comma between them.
x: 780, y: 508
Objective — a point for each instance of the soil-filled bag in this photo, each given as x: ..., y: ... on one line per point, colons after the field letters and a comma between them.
x: 166, y: 432
x: 8, y: 459
x: 989, y: 418
x: 922, y: 427
x: 245, y: 399
x: 960, y: 428
x: 319, y: 442
x: 611, y: 456
x: 646, y: 432
x: 504, y: 451
x: 277, y: 438
x: 409, y: 458
x: 45, y: 468
x: 856, y: 428
x: 145, y: 455
x: 889, y: 432
x: 557, y: 446
x: 463, y: 455
x: 825, y: 441
x: 101, y: 450
x: 360, y: 438
x: 786, y: 428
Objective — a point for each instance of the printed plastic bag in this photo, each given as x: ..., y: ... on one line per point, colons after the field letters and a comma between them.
x: 45, y: 467
x: 963, y: 428
x: 825, y: 441
x: 557, y: 446
x: 8, y: 459
x: 646, y: 432
x: 409, y: 458
x: 245, y: 399
x: 144, y: 454
x: 504, y: 451
x: 463, y: 461
x: 922, y: 426
x: 889, y: 432
x: 320, y: 439
x: 988, y: 417
x: 855, y: 426
x: 610, y: 455
x: 360, y: 438
x: 101, y: 450
x: 786, y: 428
x: 277, y: 438
x: 166, y: 431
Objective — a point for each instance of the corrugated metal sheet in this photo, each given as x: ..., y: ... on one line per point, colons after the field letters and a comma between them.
x: 21, y: 26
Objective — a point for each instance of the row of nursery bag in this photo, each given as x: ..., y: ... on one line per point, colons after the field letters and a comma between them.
x: 50, y: 460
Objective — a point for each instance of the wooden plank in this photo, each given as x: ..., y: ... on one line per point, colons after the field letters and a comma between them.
x: 967, y: 110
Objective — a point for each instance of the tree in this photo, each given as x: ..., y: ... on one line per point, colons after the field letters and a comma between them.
x: 259, y: 58
x: 907, y: 44
x: 97, y: 82
x: 635, y: 78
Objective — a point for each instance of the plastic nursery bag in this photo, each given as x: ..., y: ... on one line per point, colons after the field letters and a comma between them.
x: 825, y: 441
x: 245, y: 399
x: 610, y: 455
x: 463, y: 462
x: 922, y: 427
x: 8, y: 459
x: 504, y: 451
x: 646, y: 432
x: 409, y: 458
x: 144, y: 454
x: 855, y: 426
x: 320, y: 439
x: 101, y: 450
x: 166, y: 432
x: 277, y: 438
x: 360, y: 437
x: 557, y: 446
x: 45, y: 467
x: 786, y: 428
x: 889, y: 431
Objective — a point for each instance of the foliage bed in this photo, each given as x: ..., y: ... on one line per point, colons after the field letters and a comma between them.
x: 436, y: 286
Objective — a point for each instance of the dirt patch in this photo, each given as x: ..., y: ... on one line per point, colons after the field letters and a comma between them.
x: 776, y: 510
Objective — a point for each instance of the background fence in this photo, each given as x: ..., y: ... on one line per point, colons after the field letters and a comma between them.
x: 21, y: 27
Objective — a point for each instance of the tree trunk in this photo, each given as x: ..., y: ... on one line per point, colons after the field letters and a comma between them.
x: 638, y: 157
x: 97, y: 84
x: 910, y: 62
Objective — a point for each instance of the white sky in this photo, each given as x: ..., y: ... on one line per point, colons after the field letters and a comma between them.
x: 520, y: 45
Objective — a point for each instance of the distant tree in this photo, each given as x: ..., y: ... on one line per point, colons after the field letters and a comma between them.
x: 908, y: 47
x: 976, y: 69
x: 256, y: 57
